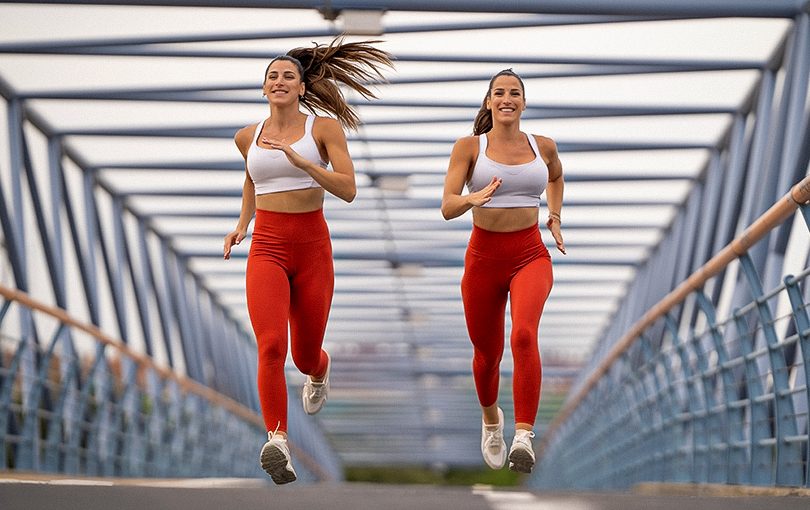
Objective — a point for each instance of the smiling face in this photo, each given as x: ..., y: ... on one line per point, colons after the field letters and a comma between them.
x: 506, y: 99
x: 282, y: 83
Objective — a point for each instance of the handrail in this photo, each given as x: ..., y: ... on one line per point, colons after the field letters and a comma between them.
x: 776, y: 215
x: 183, y: 382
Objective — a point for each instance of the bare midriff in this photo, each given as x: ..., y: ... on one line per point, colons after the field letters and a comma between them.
x: 497, y: 219
x: 295, y: 201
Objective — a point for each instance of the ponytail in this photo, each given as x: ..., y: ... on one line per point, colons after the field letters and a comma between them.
x: 483, y: 120
x: 322, y: 67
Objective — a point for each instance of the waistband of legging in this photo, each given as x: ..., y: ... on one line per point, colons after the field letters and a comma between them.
x: 505, y: 245
x: 296, y: 227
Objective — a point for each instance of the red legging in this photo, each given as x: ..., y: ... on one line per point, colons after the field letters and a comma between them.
x: 497, y: 265
x: 290, y: 280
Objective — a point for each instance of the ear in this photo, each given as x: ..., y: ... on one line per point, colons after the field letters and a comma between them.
x: 489, y: 103
x: 302, y: 89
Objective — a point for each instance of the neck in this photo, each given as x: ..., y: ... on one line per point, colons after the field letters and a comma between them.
x: 283, y: 116
x: 505, y: 131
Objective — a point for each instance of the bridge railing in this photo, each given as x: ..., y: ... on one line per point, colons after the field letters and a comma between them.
x: 82, y: 402
x: 722, y: 400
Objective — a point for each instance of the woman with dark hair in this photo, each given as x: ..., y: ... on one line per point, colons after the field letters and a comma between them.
x: 290, y: 275
x: 505, y: 171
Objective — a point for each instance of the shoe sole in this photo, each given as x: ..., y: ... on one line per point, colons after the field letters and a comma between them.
x: 274, y: 463
x: 521, y: 461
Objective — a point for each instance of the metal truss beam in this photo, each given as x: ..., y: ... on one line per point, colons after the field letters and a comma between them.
x: 692, y: 8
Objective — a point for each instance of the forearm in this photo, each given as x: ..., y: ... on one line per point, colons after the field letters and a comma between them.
x: 554, y: 196
x: 454, y: 205
x: 341, y: 185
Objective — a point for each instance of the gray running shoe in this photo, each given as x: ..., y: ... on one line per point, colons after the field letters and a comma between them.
x: 492, y: 444
x: 275, y: 459
x: 521, y: 455
x: 315, y: 393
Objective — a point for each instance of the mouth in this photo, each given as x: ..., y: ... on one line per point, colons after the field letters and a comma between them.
x: 506, y: 110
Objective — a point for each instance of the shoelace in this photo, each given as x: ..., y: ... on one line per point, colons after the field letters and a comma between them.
x: 493, y: 440
x: 272, y: 435
x: 525, y: 438
x: 316, y: 389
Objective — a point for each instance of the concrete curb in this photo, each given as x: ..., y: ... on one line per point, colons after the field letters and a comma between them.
x: 717, y: 490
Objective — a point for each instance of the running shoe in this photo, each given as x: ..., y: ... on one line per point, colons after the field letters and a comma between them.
x: 275, y: 459
x: 492, y: 444
x: 315, y: 393
x: 521, y: 455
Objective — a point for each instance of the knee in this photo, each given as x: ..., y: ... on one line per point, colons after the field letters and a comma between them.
x: 487, y: 361
x: 272, y: 349
x: 524, y: 339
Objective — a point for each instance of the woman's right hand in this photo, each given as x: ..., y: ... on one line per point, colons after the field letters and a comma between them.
x: 484, y: 195
x: 232, y: 239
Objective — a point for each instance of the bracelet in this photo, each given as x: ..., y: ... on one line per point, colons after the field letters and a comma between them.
x: 555, y: 216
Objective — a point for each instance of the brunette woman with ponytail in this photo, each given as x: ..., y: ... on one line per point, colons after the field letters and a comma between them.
x: 505, y: 171
x: 290, y: 276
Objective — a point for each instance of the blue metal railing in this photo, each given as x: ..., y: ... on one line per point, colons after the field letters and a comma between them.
x: 686, y: 396
x: 84, y: 403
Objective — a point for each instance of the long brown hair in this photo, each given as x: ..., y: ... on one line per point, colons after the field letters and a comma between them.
x: 322, y: 67
x: 483, y: 121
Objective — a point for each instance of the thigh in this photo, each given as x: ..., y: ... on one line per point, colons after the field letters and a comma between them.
x: 529, y: 289
x: 312, y: 287
x: 484, y: 291
x: 268, y: 300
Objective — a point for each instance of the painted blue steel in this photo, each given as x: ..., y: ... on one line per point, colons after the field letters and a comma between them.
x: 125, y: 421
x: 803, y: 328
x: 788, y: 457
x: 688, y: 411
x: 709, y: 8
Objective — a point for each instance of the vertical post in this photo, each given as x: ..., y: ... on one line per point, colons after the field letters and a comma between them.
x: 788, y: 456
x: 733, y: 436
x: 696, y: 423
x: 803, y: 329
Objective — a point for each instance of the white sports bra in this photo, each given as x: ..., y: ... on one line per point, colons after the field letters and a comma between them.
x: 272, y: 172
x: 522, y: 184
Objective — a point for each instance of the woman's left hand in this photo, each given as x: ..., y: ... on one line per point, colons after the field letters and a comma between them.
x: 554, y: 227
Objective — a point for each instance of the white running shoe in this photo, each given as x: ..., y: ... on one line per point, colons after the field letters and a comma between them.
x: 492, y: 444
x: 521, y: 455
x: 275, y: 459
x: 315, y: 393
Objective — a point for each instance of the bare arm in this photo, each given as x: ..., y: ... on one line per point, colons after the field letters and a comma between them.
x: 554, y: 190
x: 330, y: 136
x: 454, y: 204
x: 243, y: 139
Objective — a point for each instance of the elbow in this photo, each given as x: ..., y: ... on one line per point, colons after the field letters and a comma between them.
x: 350, y: 195
x: 447, y: 214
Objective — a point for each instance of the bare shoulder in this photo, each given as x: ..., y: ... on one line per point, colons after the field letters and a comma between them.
x: 545, y: 143
x: 326, y: 126
x: 244, y: 137
x: 547, y: 148
x: 466, y: 146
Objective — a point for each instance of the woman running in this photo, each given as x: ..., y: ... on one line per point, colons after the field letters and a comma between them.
x: 290, y: 275
x: 505, y: 171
